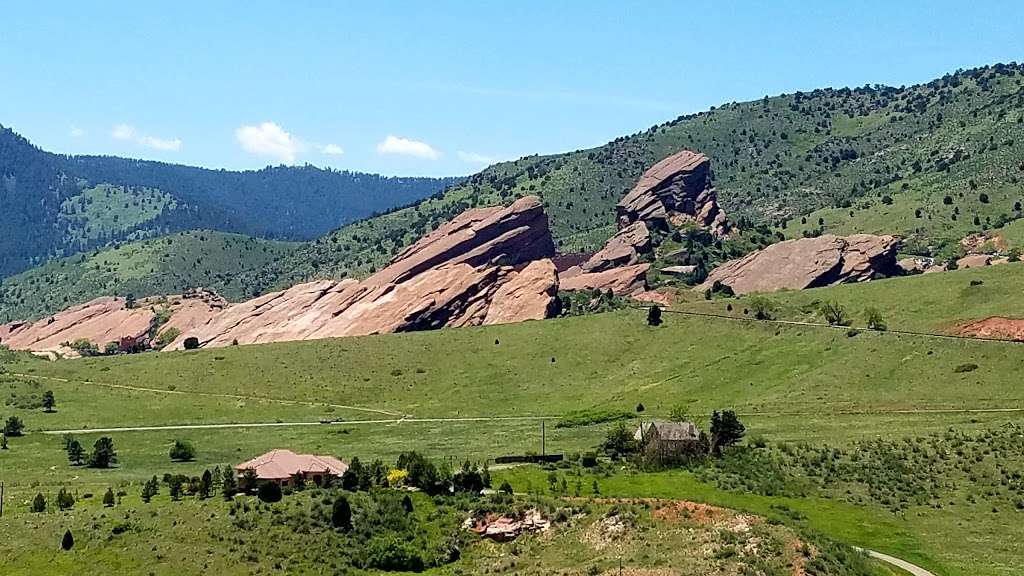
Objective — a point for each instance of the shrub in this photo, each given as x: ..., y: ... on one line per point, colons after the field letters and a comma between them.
x: 962, y: 368
x: 182, y: 451
x: 39, y: 503
x: 392, y: 554
x: 269, y: 492
x: 764, y: 309
x: 341, y: 514
x: 168, y: 336
x: 835, y: 314
x: 654, y: 316
x: 14, y: 427
x: 191, y: 343
x: 873, y: 318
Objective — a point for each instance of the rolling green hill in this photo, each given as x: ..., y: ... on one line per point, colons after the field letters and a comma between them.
x: 55, y: 205
x: 873, y: 159
x: 166, y: 265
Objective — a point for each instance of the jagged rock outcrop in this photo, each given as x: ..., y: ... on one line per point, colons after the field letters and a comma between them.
x: 808, y: 263
x: 108, y: 319
x: 622, y: 249
x: 675, y: 190
x: 485, y: 266
x: 622, y: 281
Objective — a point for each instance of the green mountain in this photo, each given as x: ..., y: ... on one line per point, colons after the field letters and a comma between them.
x: 874, y: 159
x: 55, y: 205
x: 166, y: 265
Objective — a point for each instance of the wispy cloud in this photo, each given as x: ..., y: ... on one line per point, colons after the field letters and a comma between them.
x: 332, y: 150
x: 123, y: 132
x: 406, y: 147
x: 76, y: 132
x: 129, y: 133
x: 476, y: 158
x: 269, y: 139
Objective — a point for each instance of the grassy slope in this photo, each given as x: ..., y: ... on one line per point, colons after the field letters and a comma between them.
x: 830, y: 154
x: 790, y: 383
x: 165, y: 265
x: 939, y: 302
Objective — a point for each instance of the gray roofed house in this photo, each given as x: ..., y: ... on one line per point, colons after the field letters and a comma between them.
x: 667, y: 441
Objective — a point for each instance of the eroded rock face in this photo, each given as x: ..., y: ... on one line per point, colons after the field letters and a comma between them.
x: 485, y: 266
x: 808, y: 263
x: 675, y: 190
x: 107, y: 319
x: 622, y: 249
x: 623, y: 281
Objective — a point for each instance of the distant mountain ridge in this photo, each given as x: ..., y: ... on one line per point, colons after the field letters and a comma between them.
x: 57, y: 205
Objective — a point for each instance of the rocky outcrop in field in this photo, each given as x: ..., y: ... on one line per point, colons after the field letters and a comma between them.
x: 485, y: 266
x: 808, y: 263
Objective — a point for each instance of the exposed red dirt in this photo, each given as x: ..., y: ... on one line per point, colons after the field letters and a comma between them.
x: 995, y: 327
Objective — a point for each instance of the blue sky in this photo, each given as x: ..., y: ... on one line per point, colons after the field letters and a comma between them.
x: 440, y: 88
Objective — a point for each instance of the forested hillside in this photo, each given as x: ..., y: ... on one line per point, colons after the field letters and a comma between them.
x: 932, y: 162
x: 56, y: 205
x: 167, y: 265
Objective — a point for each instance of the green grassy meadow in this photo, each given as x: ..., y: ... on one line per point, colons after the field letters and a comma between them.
x: 790, y: 384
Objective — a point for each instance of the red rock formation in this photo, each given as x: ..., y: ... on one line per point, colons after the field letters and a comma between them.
x: 106, y: 320
x: 622, y: 249
x: 809, y: 262
x: 623, y: 281
x: 675, y: 190
x: 485, y: 266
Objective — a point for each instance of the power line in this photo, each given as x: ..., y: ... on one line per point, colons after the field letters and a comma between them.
x: 832, y: 326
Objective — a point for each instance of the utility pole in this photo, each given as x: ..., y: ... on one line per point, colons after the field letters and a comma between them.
x: 543, y: 438
x: 1, y: 499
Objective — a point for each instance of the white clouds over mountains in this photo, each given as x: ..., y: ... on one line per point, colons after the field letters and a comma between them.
x: 268, y: 139
x: 406, y: 147
x: 128, y: 133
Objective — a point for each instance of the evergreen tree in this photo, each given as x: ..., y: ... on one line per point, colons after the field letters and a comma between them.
x: 149, y: 489
x: 228, y: 484
x: 49, y: 403
x: 726, y: 430
x: 103, y: 454
x: 654, y: 316
x: 108, y: 497
x: 13, y: 426
x: 64, y: 499
x: 68, y: 541
x: 205, y: 485
x: 75, y: 451
x: 39, y: 503
x: 341, y: 514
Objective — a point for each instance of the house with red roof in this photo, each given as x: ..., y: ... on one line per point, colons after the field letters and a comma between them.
x: 284, y: 467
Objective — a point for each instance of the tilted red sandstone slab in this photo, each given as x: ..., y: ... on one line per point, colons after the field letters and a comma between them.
x: 809, y: 262
x: 623, y: 281
x: 622, y: 249
x: 675, y: 190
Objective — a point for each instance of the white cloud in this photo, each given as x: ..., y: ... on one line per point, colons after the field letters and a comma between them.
x: 268, y: 139
x: 123, y: 132
x: 403, y: 146
x: 76, y: 132
x: 160, y: 144
x: 474, y: 158
x: 128, y: 132
x: 332, y: 150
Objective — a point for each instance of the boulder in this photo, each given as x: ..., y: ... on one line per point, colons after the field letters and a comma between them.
x: 808, y: 263
x: 674, y: 191
x: 974, y: 261
x: 622, y: 249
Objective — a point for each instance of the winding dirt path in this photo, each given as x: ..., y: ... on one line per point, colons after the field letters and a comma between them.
x: 902, y: 564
